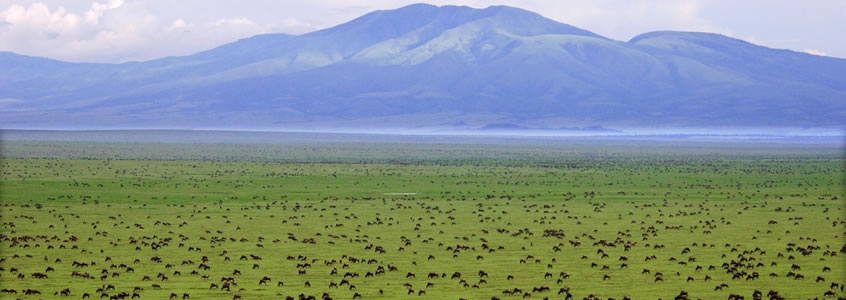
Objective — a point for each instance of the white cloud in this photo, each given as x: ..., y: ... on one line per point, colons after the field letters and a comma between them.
x: 97, y: 9
x: 814, y: 52
x: 180, y: 24
x: 295, y: 26
x: 39, y: 15
x: 112, y: 31
x: 629, y: 18
x: 234, y: 21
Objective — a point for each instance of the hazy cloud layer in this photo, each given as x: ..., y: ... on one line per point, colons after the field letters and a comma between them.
x: 123, y: 30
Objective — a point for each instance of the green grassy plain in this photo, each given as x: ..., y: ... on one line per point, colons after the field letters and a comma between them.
x: 699, y: 212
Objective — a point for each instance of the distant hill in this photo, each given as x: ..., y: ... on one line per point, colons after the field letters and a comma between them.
x: 423, y: 66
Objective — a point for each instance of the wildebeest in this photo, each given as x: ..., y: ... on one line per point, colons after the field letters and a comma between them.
x: 31, y: 292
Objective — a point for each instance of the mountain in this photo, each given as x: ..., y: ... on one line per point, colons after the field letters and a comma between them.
x: 423, y: 66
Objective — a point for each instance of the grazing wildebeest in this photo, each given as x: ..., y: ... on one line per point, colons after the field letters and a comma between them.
x: 31, y: 292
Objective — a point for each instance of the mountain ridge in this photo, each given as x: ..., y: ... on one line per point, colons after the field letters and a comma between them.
x: 422, y: 66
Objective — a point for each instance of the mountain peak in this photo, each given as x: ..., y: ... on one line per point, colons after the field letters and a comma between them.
x: 421, y: 65
x: 384, y: 24
x: 688, y: 36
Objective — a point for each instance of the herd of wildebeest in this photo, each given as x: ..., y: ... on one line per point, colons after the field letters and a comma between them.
x: 198, y: 230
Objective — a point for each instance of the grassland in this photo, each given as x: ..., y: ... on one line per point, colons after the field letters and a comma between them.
x: 609, y: 217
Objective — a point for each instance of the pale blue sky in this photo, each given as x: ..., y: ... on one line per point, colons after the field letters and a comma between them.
x: 123, y: 30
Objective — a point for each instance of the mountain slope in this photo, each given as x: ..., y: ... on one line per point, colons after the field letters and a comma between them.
x: 423, y: 66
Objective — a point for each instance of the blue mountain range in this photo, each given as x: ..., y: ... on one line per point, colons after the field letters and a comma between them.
x: 424, y: 66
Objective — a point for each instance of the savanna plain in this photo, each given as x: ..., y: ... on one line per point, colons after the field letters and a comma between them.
x: 348, y: 220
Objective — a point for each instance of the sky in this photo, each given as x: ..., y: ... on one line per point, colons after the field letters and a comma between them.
x: 115, y: 31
